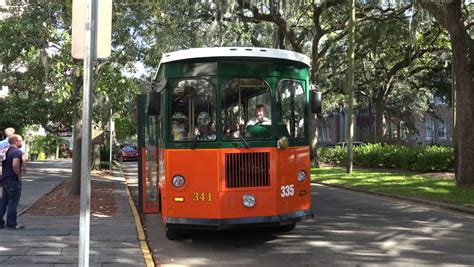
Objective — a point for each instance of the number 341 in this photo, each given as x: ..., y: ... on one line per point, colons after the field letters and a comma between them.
x: 287, y: 190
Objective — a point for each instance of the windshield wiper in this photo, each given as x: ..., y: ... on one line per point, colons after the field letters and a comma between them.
x: 194, y: 142
x: 243, y: 139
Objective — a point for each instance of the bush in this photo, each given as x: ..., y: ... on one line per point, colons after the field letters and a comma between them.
x: 335, y: 155
x: 420, y: 158
x: 45, y: 146
x: 104, y: 153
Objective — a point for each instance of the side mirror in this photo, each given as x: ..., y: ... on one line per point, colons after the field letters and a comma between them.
x: 316, y: 101
x: 153, y: 103
x: 159, y: 84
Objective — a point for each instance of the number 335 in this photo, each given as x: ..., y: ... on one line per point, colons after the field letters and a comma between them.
x: 287, y: 190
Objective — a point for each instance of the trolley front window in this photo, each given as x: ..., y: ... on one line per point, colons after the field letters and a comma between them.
x: 291, y: 103
x: 193, y: 111
x: 246, y: 109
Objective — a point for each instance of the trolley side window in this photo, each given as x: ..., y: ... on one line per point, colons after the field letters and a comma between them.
x: 193, y: 111
x: 291, y: 103
x: 246, y: 109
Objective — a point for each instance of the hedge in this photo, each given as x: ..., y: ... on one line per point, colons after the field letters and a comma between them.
x: 419, y: 158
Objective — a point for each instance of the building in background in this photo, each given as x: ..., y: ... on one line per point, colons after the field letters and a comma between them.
x: 434, y: 127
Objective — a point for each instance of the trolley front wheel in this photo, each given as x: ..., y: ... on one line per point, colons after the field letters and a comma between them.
x: 172, y: 233
x: 286, y: 228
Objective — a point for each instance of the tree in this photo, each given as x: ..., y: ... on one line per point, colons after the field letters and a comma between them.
x: 449, y: 14
x: 38, y: 68
x: 390, y: 51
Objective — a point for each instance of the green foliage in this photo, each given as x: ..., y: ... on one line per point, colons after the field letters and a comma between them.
x: 419, y: 158
x: 336, y: 155
x: 104, y: 153
x: 45, y: 146
x: 104, y: 165
x: 125, y: 127
x: 41, y: 156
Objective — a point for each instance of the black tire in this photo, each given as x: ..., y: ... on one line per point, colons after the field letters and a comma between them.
x: 286, y: 228
x: 173, y: 233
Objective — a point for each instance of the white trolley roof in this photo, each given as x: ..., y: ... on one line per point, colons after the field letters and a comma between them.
x: 255, y: 52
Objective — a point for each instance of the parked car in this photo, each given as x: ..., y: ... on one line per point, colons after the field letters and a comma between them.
x: 354, y: 144
x: 327, y: 145
x: 128, y: 152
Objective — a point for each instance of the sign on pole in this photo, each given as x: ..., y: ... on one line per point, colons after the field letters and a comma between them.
x: 104, y: 28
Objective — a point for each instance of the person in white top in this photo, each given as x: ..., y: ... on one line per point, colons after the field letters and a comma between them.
x: 5, y: 143
x: 8, y: 132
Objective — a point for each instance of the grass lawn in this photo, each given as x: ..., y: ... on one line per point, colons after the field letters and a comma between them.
x: 398, y: 183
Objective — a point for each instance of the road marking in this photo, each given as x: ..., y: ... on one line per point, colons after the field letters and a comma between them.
x: 141, y: 234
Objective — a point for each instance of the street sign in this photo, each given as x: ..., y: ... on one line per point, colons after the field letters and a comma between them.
x: 103, y: 32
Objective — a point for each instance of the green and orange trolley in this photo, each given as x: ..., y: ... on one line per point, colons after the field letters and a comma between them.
x: 207, y: 160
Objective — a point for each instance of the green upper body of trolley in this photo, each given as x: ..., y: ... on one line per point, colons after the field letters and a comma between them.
x: 206, y: 94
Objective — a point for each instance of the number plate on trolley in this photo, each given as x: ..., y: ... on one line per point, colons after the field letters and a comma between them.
x: 202, y: 197
x: 287, y: 190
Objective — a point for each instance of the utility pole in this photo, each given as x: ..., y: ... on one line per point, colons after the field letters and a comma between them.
x: 350, y: 91
x: 111, y: 131
x: 91, y: 39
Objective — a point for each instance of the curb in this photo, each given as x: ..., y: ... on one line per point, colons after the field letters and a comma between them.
x: 138, y: 225
x: 411, y: 199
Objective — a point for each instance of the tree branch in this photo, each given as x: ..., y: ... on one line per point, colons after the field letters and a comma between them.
x: 327, y: 44
x: 281, y: 23
x: 393, y: 13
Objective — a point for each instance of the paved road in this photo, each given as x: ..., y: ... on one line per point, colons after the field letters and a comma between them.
x: 349, y: 228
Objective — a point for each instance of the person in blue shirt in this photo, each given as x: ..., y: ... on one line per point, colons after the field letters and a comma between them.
x: 11, y: 183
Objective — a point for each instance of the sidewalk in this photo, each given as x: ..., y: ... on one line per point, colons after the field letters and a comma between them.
x: 53, y: 240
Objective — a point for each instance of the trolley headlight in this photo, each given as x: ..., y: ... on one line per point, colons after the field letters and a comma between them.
x: 283, y: 142
x: 248, y: 200
x: 301, y: 176
x: 178, y: 181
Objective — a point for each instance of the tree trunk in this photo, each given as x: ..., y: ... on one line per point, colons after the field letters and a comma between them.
x: 76, y: 158
x: 95, y: 157
x: 314, y: 140
x: 379, y: 120
x: 314, y: 79
x: 464, y: 73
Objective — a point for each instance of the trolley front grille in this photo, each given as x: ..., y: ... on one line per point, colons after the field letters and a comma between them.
x: 247, y: 169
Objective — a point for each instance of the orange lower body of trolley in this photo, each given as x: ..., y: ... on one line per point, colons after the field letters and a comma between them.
x: 235, y: 188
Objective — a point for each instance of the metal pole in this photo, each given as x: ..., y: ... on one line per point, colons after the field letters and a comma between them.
x: 350, y: 88
x: 111, y: 131
x: 89, y: 58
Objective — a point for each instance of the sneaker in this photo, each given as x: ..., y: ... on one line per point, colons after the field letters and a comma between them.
x: 17, y: 227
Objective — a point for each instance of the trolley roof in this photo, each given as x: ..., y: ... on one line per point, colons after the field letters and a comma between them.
x: 255, y: 52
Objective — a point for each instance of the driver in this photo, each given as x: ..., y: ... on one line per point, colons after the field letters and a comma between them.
x: 260, y: 118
